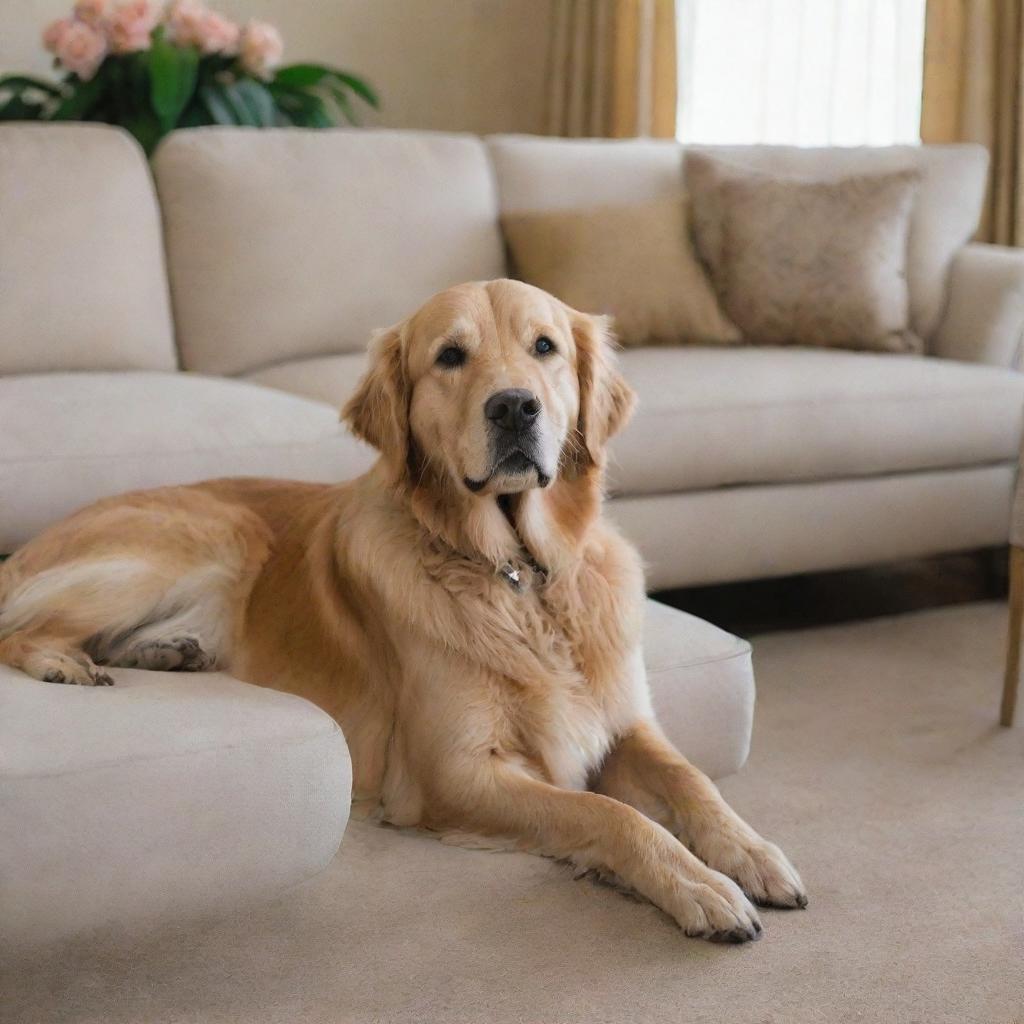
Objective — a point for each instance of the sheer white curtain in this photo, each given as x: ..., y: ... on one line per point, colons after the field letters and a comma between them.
x: 806, y: 72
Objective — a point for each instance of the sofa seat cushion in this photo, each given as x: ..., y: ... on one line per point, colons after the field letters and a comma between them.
x: 329, y: 379
x: 165, y: 796
x: 712, y: 417
x: 70, y: 438
x: 702, y: 687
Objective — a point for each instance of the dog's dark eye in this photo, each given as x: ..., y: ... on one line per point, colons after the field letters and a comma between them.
x: 451, y: 356
x: 543, y: 345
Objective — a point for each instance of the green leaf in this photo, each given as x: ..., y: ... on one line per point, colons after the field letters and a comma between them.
x: 146, y: 127
x: 239, y: 109
x: 194, y: 115
x: 172, y: 79
x: 255, y: 99
x: 230, y: 105
x: 305, y: 76
x: 16, y: 109
x: 342, y: 101
x: 18, y: 83
x: 303, y: 109
x: 359, y: 87
x: 244, y: 102
x: 80, y: 103
x: 300, y: 76
x: 217, y: 106
x: 138, y: 74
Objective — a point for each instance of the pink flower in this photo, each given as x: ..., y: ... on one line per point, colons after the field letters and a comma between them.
x: 54, y: 33
x: 91, y: 12
x: 80, y: 48
x: 131, y: 26
x: 217, y: 34
x: 261, y: 48
x: 183, y: 18
x: 192, y: 24
x: 185, y: 21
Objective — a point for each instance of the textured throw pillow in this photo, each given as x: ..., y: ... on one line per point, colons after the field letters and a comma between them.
x: 635, y: 263
x: 795, y: 262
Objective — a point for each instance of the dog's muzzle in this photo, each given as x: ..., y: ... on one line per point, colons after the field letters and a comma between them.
x: 512, y: 416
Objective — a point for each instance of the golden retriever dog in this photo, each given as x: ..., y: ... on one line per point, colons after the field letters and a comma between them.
x: 462, y: 610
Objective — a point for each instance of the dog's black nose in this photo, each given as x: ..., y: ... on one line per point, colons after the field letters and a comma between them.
x: 514, y: 409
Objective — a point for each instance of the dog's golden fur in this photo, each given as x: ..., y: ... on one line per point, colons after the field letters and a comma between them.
x: 472, y: 702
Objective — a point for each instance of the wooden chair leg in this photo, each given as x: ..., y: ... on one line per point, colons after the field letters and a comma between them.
x: 1011, y: 682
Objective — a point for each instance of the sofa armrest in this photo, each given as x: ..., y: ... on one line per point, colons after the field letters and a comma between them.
x: 984, y: 320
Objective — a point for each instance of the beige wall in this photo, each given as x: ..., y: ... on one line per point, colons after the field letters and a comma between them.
x: 472, y: 65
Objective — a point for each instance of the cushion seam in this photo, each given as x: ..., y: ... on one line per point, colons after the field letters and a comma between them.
x: 709, y: 660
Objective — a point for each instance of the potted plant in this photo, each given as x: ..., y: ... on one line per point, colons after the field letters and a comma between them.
x: 152, y: 69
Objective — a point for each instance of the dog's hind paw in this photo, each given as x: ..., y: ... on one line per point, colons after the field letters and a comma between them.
x: 70, y: 673
x: 170, y: 654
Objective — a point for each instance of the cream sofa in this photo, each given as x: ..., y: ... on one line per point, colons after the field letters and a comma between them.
x: 284, y: 249
x: 209, y: 319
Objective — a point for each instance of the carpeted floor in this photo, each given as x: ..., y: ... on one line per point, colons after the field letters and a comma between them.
x: 877, y: 765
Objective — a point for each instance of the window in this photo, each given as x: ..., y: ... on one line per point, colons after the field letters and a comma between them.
x: 804, y: 72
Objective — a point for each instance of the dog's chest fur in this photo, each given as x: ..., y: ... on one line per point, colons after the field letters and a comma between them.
x: 545, y: 674
x: 561, y: 655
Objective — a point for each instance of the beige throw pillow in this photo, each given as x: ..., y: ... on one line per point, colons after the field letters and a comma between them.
x: 794, y: 262
x: 635, y: 263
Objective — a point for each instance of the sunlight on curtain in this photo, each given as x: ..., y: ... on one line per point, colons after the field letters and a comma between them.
x: 805, y: 72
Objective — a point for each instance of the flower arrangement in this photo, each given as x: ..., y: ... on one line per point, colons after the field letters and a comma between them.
x: 152, y: 69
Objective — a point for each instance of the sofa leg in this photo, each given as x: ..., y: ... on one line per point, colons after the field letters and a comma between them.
x: 1011, y: 682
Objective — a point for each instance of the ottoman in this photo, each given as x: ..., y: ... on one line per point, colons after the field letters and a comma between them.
x: 167, y: 796
x: 176, y: 795
x: 702, y: 688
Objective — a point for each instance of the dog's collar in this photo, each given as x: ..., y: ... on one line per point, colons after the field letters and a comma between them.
x: 513, y: 574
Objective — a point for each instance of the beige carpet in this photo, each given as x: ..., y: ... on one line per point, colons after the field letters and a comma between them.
x: 876, y: 764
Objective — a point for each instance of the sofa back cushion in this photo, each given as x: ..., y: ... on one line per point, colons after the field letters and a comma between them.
x: 285, y: 243
x: 82, y: 283
x: 537, y: 174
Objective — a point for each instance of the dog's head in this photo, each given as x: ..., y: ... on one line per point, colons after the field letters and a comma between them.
x: 497, y: 385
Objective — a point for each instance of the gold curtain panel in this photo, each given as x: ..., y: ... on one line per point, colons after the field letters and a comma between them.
x: 612, y: 68
x: 973, y: 75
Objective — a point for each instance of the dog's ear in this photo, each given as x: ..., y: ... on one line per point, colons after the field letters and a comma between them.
x: 378, y: 413
x: 606, y: 400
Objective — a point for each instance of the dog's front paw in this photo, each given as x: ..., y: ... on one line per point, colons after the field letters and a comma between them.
x: 760, y: 868
x: 714, y: 908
